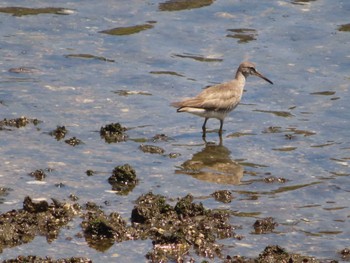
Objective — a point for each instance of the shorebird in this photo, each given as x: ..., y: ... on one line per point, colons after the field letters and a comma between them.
x: 218, y: 100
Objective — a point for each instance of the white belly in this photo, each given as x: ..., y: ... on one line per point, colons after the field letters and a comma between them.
x: 205, y: 114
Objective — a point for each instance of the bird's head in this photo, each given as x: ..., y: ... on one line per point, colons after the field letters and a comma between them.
x: 248, y: 68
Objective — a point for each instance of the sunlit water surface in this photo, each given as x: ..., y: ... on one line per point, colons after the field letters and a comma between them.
x: 296, y: 129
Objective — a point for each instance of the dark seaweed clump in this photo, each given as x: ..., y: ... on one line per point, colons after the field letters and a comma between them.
x: 223, y: 196
x: 59, y: 133
x: 38, y: 174
x: 123, y: 179
x: 160, y: 137
x: 265, y: 225
x: 113, y: 132
x: 151, y: 149
x: 345, y: 254
x: 18, y: 123
x: 73, y: 141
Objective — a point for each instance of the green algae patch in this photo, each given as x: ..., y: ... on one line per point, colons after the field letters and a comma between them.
x: 285, y: 149
x: 302, y: 2
x: 198, y: 58
x: 178, y: 5
x: 131, y: 92
x: 284, y: 114
x: 24, y: 11
x: 172, y: 73
x: 88, y: 56
x: 244, y: 35
x: 129, y: 30
x: 344, y: 28
x: 324, y: 93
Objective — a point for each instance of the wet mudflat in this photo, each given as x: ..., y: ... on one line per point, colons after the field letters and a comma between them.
x: 95, y: 164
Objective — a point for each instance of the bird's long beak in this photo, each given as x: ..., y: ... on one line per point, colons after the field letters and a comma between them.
x: 264, y: 78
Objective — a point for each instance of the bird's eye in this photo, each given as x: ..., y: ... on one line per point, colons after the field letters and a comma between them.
x: 252, y: 68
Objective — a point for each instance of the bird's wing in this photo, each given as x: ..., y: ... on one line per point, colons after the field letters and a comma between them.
x: 219, y: 97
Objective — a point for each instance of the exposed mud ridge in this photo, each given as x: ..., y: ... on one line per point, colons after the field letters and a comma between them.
x: 176, y: 230
x: 36, y: 218
x: 36, y: 259
x: 273, y: 254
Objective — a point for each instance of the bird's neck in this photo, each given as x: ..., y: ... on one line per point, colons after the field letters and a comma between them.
x: 240, y: 78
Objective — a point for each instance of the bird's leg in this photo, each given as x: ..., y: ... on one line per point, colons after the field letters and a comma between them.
x: 221, y: 125
x: 220, y: 140
x: 203, y: 127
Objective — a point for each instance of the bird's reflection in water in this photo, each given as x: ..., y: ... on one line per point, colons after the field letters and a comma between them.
x: 213, y: 164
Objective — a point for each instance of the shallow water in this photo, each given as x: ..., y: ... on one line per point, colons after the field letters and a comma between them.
x: 296, y: 129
